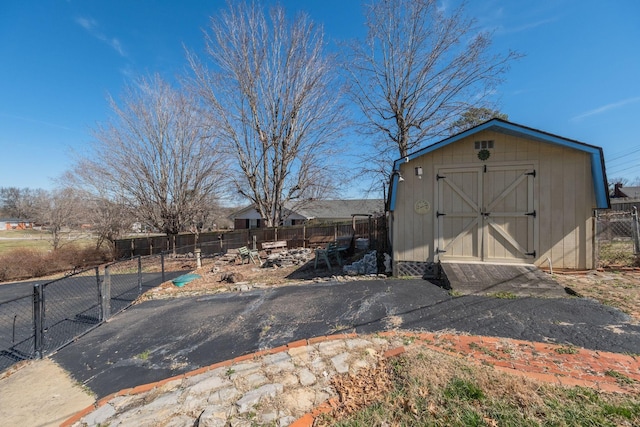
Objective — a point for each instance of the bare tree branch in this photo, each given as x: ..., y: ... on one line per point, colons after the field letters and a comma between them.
x: 157, y: 154
x: 418, y: 70
x: 273, y: 97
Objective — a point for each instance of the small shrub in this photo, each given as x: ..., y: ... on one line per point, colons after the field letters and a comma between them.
x: 25, y: 263
x: 566, y: 350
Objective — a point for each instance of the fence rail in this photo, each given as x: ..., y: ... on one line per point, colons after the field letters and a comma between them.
x: 211, y: 243
x: 48, y: 316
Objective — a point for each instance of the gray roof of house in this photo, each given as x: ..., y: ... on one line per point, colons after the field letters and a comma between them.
x: 327, y: 209
x: 633, y: 192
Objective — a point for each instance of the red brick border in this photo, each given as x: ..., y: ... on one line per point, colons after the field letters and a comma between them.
x: 456, y: 345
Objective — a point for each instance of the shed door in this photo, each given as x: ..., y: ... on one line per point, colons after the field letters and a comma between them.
x: 486, y: 213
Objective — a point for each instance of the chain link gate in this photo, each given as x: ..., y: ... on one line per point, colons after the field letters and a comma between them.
x: 617, y: 238
x: 56, y: 313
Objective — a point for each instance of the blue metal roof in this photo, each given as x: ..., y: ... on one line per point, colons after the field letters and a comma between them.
x: 598, y: 171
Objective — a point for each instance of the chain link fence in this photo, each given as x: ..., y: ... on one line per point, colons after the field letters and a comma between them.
x: 39, y: 319
x: 16, y: 330
x: 617, y: 238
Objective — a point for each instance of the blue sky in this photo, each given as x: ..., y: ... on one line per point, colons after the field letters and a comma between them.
x: 580, y: 77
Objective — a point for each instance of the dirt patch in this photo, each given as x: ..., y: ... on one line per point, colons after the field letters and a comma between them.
x: 612, y: 287
x: 40, y: 393
x: 223, y: 274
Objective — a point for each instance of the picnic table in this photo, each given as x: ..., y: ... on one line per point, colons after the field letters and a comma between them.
x: 270, y: 246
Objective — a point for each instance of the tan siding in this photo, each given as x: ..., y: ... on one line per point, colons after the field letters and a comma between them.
x: 544, y: 180
x: 563, y: 197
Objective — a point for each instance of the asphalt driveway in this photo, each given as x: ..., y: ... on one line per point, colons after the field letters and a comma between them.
x: 158, y: 339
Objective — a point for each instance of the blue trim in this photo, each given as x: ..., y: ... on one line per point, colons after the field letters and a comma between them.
x: 597, y: 158
x: 394, y: 185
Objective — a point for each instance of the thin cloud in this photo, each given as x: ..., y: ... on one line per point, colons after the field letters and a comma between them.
x: 527, y: 26
x: 91, y: 25
x: 606, y: 108
x: 86, y: 23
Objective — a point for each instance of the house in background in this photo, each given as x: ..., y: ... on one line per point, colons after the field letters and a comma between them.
x: 625, y: 198
x: 619, y: 191
x: 497, y: 193
x: 311, y: 211
x: 15, y: 224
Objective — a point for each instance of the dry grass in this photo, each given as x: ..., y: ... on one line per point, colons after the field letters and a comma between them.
x: 39, y: 240
x: 615, y: 288
x: 213, y: 270
x: 432, y: 389
x: 617, y: 253
x: 26, y: 263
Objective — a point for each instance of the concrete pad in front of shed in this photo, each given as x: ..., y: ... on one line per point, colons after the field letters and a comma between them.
x: 491, y: 279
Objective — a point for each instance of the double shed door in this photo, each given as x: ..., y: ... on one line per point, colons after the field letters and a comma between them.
x: 486, y: 213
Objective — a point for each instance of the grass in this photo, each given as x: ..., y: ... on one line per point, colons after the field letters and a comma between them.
x: 39, y: 240
x: 617, y: 253
x: 566, y: 350
x: 432, y: 389
x: 503, y: 295
x: 144, y: 355
x: 620, y: 378
x: 623, y: 292
x: 10, y: 245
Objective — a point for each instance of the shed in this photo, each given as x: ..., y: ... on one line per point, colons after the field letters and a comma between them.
x: 497, y: 193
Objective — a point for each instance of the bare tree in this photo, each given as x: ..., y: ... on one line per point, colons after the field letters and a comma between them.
x: 473, y: 117
x: 274, y: 98
x: 418, y: 69
x: 18, y: 202
x: 157, y: 154
x: 57, y: 210
x: 109, y: 220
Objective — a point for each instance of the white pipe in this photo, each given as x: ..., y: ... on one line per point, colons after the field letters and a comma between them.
x: 550, y: 266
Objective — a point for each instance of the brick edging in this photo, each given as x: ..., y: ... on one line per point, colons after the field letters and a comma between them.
x: 425, y: 338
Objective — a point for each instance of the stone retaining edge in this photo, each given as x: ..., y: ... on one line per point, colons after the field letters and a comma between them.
x: 426, y: 339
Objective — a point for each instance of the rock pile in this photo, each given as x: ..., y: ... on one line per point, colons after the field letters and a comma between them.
x: 367, y: 265
x: 288, y: 258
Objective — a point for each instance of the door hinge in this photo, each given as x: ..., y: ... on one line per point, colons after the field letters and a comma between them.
x: 533, y: 174
x: 439, y: 251
x: 485, y: 168
x: 485, y: 213
x: 439, y: 214
x: 533, y: 214
x: 439, y: 177
x: 533, y: 254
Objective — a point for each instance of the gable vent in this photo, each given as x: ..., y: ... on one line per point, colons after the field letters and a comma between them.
x: 483, y: 145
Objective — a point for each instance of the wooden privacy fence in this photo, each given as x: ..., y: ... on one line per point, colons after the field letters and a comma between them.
x: 297, y: 236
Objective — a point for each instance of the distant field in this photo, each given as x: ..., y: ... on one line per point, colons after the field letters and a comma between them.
x: 22, y: 233
x: 37, y: 240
